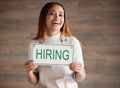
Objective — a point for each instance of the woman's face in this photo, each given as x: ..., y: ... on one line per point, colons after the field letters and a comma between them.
x: 54, y: 20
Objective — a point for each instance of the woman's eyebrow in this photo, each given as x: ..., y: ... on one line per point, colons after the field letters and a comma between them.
x: 51, y: 10
x: 61, y: 12
x: 54, y: 11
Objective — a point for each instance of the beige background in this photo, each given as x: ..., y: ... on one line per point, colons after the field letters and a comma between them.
x: 96, y: 23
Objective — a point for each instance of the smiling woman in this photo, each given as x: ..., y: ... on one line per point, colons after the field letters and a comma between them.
x: 53, y: 29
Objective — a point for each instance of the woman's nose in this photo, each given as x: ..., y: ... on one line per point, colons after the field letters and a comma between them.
x: 56, y: 16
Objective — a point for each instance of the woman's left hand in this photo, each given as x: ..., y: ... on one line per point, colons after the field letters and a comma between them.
x: 79, y: 71
x: 76, y: 67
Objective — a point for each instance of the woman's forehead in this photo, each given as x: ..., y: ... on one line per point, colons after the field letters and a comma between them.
x: 57, y: 8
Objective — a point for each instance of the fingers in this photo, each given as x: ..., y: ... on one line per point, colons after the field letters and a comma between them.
x: 29, y: 66
x: 75, y: 66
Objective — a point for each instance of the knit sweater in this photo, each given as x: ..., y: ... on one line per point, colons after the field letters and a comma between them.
x: 59, y: 76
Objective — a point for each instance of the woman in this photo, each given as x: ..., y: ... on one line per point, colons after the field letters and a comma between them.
x: 53, y: 29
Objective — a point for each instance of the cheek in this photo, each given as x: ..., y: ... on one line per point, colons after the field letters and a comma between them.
x: 62, y: 21
x: 48, y: 19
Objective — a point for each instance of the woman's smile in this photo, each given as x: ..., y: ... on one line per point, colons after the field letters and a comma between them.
x: 56, y: 23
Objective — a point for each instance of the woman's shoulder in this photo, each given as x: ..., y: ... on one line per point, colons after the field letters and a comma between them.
x: 71, y: 39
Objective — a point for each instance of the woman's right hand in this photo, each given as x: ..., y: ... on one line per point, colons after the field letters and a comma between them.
x: 30, y: 66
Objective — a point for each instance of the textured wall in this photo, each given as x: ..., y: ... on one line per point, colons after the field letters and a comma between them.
x: 96, y: 23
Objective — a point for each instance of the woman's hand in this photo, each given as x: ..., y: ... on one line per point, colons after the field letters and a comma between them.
x: 75, y: 67
x: 79, y: 71
x: 30, y: 66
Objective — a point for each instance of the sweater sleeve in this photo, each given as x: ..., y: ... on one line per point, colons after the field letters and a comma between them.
x: 78, y: 56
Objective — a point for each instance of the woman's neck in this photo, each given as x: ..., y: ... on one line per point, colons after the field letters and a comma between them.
x: 53, y: 33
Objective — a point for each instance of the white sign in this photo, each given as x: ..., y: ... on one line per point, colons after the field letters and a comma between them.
x: 47, y: 54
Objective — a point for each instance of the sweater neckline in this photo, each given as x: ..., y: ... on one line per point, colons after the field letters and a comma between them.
x: 53, y: 37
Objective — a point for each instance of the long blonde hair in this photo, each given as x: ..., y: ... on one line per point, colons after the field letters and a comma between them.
x: 42, y: 22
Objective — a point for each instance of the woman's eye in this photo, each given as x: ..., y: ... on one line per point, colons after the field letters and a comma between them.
x: 61, y: 15
x: 51, y: 13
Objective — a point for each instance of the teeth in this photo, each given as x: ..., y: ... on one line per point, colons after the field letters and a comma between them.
x: 55, y: 22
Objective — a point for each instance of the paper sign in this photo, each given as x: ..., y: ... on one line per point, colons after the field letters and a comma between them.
x: 48, y: 54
